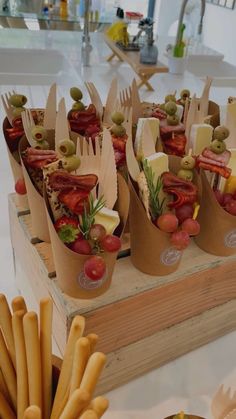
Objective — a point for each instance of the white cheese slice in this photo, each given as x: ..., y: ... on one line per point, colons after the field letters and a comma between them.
x: 108, y: 218
x: 231, y: 125
x: 180, y: 111
x: 200, y: 137
x: 148, y: 131
x: 159, y: 164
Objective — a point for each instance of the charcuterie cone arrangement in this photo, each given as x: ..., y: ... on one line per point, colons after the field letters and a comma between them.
x: 33, y: 383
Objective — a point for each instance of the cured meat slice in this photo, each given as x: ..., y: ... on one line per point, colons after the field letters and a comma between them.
x: 183, y: 191
x: 60, y: 180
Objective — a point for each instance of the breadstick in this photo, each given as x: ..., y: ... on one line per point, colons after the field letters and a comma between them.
x: 21, y: 363
x: 3, y: 388
x: 93, y: 339
x: 8, y: 370
x: 99, y: 405
x: 46, y: 308
x: 32, y: 345
x: 75, y: 405
x: 92, y: 372
x: 5, y: 410
x: 89, y: 414
x: 18, y: 303
x: 5, y: 323
x: 81, y: 356
x: 63, y: 386
x: 32, y: 412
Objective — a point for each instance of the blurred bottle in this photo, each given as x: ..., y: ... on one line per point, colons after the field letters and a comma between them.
x: 63, y: 9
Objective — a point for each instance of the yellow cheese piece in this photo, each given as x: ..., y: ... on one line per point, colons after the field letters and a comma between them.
x: 230, y: 185
x: 200, y: 137
x: 108, y: 218
x: 230, y: 123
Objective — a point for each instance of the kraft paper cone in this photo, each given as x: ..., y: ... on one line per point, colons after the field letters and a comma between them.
x: 187, y: 414
x: 151, y: 250
x: 218, y: 227
x: 69, y: 264
x: 16, y: 169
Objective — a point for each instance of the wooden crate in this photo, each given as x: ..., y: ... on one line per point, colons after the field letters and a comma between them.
x: 142, y: 321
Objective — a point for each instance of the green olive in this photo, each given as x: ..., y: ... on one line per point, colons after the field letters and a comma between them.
x: 170, y: 108
x: 18, y: 101
x: 66, y: 147
x: 118, y: 130
x: 17, y: 111
x: 78, y: 106
x: 39, y: 133
x: 42, y: 145
x: 162, y: 106
x: 187, y: 162
x: 220, y: 133
x: 217, y: 146
x: 76, y: 93
x: 70, y: 163
x: 117, y: 118
x: 172, y: 120
x: 185, y: 174
x: 184, y: 94
x: 170, y: 98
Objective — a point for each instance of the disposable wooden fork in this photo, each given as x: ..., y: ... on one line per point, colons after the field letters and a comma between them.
x: 62, y: 128
x: 111, y: 103
x: 108, y: 174
x: 95, y: 98
x: 136, y: 103
x: 90, y: 160
x: 223, y: 404
x: 28, y: 125
x: 7, y: 106
x: 126, y: 97
x: 49, y: 120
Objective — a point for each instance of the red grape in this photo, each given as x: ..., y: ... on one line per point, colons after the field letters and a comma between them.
x: 231, y: 207
x: 95, y: 268
x: 81, y: 246
x: 192, y: 227
x: 183, y: 212
x: 180, y: 240
x: 110, y: 243
x: 167, y: 222
x: 219, y: 196
x: 20, y: 187
x: 227, y: 197
x: 97, y: 232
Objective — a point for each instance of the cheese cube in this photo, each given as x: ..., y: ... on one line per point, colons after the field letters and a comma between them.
x: 200, y: 137
x: 148, y: 130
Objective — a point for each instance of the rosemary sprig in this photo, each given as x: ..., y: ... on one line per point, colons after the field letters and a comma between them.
x: 88, y: 217
x: 154, y: 187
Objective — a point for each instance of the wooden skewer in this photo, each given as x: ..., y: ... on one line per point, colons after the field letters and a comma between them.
x: 81, y: 356
x: 93, y: 339
x: 89, y: 414
x: 21, y: 363
x: 5, y: 410
x: 99, y: 405
x: 3, y: 388
x: 75, y: 405
x: 92, y: 372
x: 18, y: 303
x: 32, y: 412
x: 46, y: 308
x: 31, y: 334
x: 5, y: 323
x: 63, y: 387
x: 8, y: 370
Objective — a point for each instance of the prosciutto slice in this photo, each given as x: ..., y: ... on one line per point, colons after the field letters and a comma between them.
x: 215, y: 163
x: 183, y: 191
x: 37, y: 159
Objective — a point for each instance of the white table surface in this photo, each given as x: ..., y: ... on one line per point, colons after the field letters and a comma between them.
x: 189, y: 382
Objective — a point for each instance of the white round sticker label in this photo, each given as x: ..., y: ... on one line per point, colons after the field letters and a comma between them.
x: 170, y: 256
x: 230, y: 239
x: 89, y: 284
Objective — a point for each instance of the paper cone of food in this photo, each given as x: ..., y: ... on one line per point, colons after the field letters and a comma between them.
x: 157, y: 223
x: 70, y: 265
x: 218, y: 227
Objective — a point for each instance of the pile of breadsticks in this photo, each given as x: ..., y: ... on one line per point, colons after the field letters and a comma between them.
x: 26, y: 370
